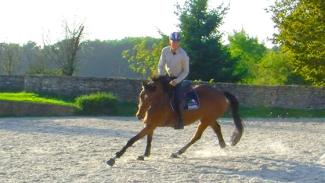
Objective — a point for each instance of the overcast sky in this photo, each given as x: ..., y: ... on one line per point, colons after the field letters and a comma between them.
x: 24, y: 20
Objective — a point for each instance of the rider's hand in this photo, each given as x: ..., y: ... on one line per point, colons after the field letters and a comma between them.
x: 173, y: 82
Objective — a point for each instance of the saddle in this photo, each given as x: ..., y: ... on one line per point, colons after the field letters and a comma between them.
x: 190, y: 98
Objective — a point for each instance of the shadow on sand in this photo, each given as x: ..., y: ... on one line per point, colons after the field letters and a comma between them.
x: 273, y: 169
x: 47, y: 125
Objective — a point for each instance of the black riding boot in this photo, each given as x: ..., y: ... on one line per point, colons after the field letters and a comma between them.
x: 178, y: 101
x: 179, y: 121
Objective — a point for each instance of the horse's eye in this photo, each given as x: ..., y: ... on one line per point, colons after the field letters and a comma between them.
x: 151, y: 88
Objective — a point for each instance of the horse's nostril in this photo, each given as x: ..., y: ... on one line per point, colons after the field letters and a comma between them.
x: 138, y: 116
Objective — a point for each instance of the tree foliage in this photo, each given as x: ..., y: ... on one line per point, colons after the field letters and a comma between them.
x: 260, y: 65
x: 10, y: 55
x: 144, y: 56
x: 104, y: 58
x: 95, y: 59
x: 202, y: 40
x: 301, y: 27
x: 248, y: 51
x: 35, y: 60
x: 66, y: 50
x: 64, y: 53
x: 273, y: 69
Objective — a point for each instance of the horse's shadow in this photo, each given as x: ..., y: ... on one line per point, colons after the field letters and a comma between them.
x: 274, y: 170
x: 47, y: 126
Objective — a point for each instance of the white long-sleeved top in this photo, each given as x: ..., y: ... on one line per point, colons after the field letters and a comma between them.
x: 174, y: 64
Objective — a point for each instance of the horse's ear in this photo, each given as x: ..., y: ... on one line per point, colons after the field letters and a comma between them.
x: 148, y: 86
x: 151, y: 88
x: 144, y: 83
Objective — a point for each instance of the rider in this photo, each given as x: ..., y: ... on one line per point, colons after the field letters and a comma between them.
x: 175, y: 62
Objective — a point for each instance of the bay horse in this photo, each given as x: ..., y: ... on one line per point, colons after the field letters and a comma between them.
x: 155, y: 110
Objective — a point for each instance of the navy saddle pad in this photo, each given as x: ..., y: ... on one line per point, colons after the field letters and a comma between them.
x: 191, y: 101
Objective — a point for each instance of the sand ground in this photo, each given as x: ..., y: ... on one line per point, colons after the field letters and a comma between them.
x: 75, y: 149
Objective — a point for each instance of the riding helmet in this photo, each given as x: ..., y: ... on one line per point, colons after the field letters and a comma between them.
x: 175, y: 36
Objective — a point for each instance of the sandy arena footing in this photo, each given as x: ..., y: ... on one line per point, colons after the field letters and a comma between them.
x: 75, y: 149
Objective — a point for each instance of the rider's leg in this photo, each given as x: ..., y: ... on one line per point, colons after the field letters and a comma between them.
x: 179, y: 106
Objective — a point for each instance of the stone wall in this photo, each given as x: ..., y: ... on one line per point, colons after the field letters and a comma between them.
x: 124, y: 89
x: 300, y: 97
x: 128, y: 89
x: 12, y: 83
x: 10, y: 108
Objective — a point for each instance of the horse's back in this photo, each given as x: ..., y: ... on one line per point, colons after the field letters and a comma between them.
x: 211, y: 99
x: 207, y: 90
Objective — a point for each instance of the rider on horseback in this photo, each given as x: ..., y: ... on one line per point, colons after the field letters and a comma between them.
x: 175, y: 62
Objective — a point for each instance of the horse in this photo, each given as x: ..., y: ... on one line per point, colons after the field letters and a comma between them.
x: 155, y: 110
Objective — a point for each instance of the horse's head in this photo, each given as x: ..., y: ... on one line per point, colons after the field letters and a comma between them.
x: 152, y: 90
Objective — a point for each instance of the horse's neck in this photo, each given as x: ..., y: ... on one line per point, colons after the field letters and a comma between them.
x: 162, y: 101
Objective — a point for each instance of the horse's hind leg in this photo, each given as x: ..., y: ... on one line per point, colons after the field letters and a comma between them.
x: 199, y: 131
x: 148, y: 147
x: 216, y: 128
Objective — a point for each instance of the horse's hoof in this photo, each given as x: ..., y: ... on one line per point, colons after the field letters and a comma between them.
x: 174, y: 155
x: 236, y: 137
x: 111, y: 162
x: 222, y: 145
x: 141, y: 158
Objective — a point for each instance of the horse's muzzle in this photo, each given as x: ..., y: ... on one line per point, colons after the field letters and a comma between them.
x: 139, y: 116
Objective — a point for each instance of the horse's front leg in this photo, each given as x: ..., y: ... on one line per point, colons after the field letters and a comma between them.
x: 148, y: 147
x: 145, y: 131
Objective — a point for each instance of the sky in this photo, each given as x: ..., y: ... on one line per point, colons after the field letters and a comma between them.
x: 38, y: 20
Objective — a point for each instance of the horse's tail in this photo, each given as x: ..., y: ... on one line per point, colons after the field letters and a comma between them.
x: 234, y: 105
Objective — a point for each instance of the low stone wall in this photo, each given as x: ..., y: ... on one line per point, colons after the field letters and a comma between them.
x: 12, y: 83
x: 301, y: 97
x: 124, y: 89
x: 11, y: 108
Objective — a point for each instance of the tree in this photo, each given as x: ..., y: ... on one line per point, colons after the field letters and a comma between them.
x: 104, y: 58
x: 201, y: 39
x: 249, y: 53
x: 301, y: 27
x: 10, y: 55
x: 35, y: 59
x: 209, y: 59
x: 144, y: 56
x: 273, y: 69
x: 64, y: 53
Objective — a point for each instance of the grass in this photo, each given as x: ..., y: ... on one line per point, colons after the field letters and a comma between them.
x: 33, y: 98
x: 122, y: 108
x: 273, y: 112
x: 129, y: 108
x: 126, y: 109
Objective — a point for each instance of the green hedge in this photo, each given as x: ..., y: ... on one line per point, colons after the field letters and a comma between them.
x: 97, y: 104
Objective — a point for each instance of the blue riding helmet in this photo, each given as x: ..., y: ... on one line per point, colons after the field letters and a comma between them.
x: 175, y: 36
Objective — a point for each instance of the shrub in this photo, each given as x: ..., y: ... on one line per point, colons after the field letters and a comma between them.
x: 97, y: 104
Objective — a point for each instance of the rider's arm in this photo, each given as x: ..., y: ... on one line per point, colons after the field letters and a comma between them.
x: 161, y: 64
x: 185, y: 69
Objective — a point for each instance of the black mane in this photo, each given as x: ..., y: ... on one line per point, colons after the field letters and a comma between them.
x: 164, y: 81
